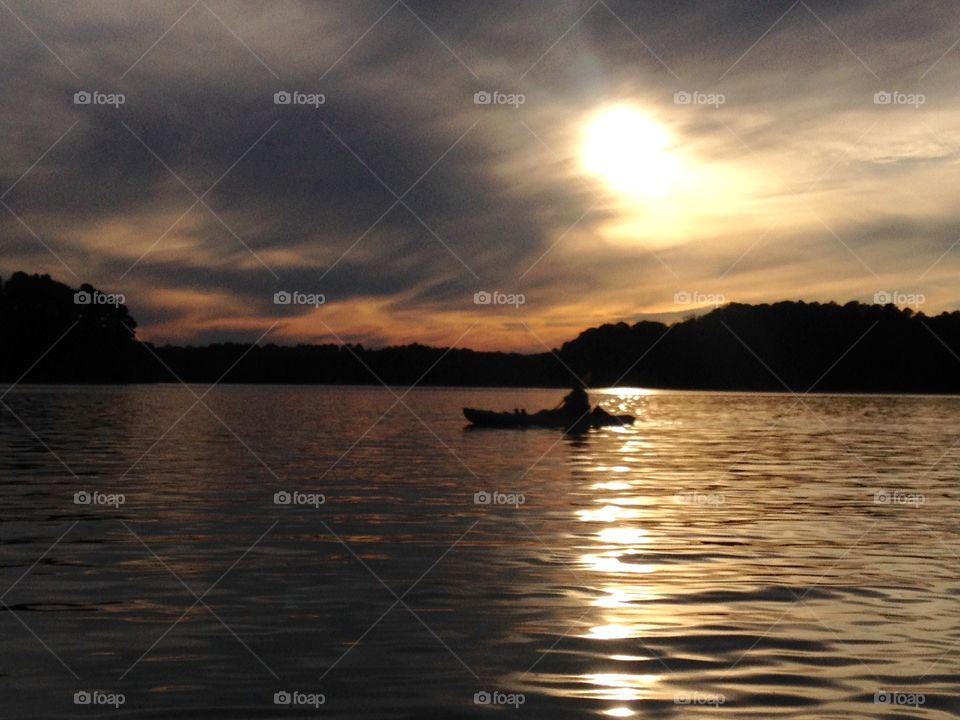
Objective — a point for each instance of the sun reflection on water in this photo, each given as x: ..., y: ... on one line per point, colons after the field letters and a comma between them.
x: 607, y: 514
x: 613, y: 564
x: 621, y: 686
x: 618, y: 530
x: 623, y: 535
x: 615, y: 551
x: 612, y: 485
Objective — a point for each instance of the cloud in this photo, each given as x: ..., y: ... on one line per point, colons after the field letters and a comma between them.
x: 307, y: 197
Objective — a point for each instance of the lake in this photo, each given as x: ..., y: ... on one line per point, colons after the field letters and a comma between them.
x: 288, y: 551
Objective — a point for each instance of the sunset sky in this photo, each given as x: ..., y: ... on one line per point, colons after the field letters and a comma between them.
x: 817, y: 159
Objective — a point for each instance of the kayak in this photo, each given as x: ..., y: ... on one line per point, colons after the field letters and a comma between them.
x: 544, y: 419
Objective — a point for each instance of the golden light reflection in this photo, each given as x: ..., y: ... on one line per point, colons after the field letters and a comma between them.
x: 615, y: 598
x: 612, y: 485
x: 623, y: 535
x: 621, y: 596
x: 613, y: 564
x: 633, y: 500
x: 610, y: 632
x: 621, y: 686
x: 624, y: 610
x: 626, y: 392
x: 607, y: 514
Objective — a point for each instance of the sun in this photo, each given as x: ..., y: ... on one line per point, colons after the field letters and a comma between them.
x: 630, y: 152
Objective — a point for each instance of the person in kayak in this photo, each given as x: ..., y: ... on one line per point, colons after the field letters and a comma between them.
x: 576, y: 404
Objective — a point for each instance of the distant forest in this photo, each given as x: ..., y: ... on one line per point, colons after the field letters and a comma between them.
x: 52, y: 333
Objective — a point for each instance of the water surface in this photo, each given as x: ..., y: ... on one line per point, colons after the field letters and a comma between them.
x: 727, y: 556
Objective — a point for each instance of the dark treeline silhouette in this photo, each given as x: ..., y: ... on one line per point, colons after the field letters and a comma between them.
x: 49, y: 333
x: 793, y: 346
x: 45, y: 328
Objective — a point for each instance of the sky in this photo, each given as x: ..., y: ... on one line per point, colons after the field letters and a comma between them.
x: 574, y: 162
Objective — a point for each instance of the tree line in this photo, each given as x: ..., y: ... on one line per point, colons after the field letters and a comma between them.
x: 52, y: 333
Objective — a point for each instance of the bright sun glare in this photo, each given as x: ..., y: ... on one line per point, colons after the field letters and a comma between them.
x: 630, y: 152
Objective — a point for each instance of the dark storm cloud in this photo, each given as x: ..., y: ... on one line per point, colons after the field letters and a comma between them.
x: 199, y: 108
